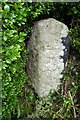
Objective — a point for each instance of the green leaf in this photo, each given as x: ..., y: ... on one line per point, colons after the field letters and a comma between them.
x: 74, y: 10
x: 4, y: 38
x: 4, y: 65
x: 8, y: 61
x: 6, y: 8
x: 31, y: 97
x: 18, y: 111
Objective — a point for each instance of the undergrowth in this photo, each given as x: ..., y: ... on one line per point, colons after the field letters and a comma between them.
x: 18, y: 19
x: 61, y: 105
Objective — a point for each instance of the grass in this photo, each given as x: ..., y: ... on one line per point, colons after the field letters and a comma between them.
x: 61, y: 105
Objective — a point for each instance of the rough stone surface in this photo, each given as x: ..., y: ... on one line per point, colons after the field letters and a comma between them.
x: 48, y: 52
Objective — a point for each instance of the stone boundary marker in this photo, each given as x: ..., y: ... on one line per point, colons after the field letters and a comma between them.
x: 48, y: 52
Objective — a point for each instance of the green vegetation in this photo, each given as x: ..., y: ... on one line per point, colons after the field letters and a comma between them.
x: 19, y: 99
x: 13, y: 74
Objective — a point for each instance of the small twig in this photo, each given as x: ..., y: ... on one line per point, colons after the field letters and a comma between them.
x: 75, y: 116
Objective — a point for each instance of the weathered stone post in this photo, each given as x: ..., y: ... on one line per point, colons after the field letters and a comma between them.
x: 48, y: 52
